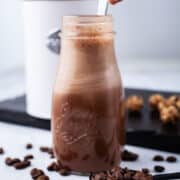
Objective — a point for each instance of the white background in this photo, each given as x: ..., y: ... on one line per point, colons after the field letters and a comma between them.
x: 145, y: 29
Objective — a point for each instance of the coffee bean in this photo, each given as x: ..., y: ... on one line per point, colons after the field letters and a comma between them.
x: 29, y: 146
x: 129, y: 156
x: 171, y: 159
x: 158, y: 158
x: 35, y: 173
x: 44, y: 149
x: 22, y: 164
x: 118, y: 173
x: 159, y: 169
x: 64, y: 172
x: 11, y: 161
x: 53, y: 167
x: 28, y: 157
x: 43, y: 177
x: 1, y: 151
x: 145, y: 171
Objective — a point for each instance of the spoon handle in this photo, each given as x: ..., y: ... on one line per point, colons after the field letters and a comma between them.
x: 102, y: 7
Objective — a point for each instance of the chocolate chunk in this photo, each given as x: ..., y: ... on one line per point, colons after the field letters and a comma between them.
x: 11, y: 161
x: 1, y: 151
x: 22, y: 164
x: 64, y: 171
x: 28, y: 157
x: 159, y: 168
x: 43, y: 177
x: 35, y: 173
x: 129, y: 156
x: 171, y: 159
x: 53, y: 167
x: 29, y: 146
x: 158, y: 158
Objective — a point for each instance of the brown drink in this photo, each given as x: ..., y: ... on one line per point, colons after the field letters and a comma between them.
x: 88, y: 101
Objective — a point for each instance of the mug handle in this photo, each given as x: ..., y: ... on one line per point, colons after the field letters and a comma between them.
x: 54, y: 41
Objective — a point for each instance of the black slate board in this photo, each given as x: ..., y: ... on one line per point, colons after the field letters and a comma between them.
x: 143, y: 129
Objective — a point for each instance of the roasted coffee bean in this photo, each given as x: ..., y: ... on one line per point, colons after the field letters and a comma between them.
x: 145, y: 171
x: 44, y: 149
x: 22, y: 164
x: 29, y: 146
x: 64, y: 171
x: 53, y: 167
x: 159, y: 169
x: 118, y: 173
x: 11, y: 161
x: 128, y: 156
x: 43, y: 177
x: 1, y: 151
x: 28, y: 157
x: 52, y: 156
x: 158, y: 158
x: 35, y: 173
x: 171, y: 159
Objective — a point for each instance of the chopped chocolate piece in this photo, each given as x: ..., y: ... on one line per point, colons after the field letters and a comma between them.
x: 64, y: 171
x: 1, y: 151
x: 35, y: 173
x: 11, y: 161
x: 22, y: 164
x: 53, y: 167
x: 29, y: 146
x: 28, y: 157
x: 129, y: 156
x: 145, y: 171
x: 171, y: 159
x: 158, y: 158
x: 159, y: 168
x: 43, y: 177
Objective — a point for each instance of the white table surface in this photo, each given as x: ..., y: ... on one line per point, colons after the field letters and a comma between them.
x: 14, y: 138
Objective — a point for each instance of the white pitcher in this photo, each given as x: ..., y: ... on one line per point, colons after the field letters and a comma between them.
x: 41, y: 18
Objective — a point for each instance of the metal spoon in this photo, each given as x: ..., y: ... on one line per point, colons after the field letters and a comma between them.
x: 102, y: 7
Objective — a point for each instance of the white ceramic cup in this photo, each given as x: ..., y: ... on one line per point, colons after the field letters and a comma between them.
x: 40, y: 18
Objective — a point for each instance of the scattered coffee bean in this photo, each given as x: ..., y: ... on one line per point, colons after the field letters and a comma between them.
x: 64, y: 172
x: 145, y: 171
x: 52, y: 156
x: 158, y: 158
x: 118, y: 173
x: 53, y: 167
x: 1, y: 151
x: 28, y: 157
x: 11, y: 161
x: 43, y: 177
x: 129, y: 156
x: 171, y: 159
x: 22, y: 164
x: 35, y: 173
x: 159, y: 169
x: 44, y: 149
x: 29, y: 146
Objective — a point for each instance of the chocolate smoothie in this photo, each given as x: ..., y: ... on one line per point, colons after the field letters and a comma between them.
x: 88, y: 100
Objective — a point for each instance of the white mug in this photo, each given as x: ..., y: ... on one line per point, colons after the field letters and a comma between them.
x: 40, y: 19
